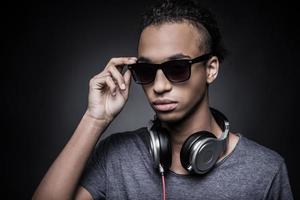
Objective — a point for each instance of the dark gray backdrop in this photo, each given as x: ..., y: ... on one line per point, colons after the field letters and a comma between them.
x: 53, y: 49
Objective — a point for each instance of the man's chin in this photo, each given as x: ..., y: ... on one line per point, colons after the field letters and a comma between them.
x: 169, y: 117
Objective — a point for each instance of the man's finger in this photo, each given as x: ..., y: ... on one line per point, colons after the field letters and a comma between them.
x: 120, y: 61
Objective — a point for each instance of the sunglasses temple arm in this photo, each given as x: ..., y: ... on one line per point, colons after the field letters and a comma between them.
x: 201, y: 58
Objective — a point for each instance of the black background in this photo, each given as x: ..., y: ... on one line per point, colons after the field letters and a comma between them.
x: 53, y: 49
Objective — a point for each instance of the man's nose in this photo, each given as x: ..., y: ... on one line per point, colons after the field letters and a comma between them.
x: 161, y: 83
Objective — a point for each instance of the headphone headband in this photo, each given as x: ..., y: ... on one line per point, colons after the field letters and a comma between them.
x: 223, y: 122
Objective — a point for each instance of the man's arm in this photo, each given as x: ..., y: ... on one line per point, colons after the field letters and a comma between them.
x: 108, y: 93
x: 60, y: 182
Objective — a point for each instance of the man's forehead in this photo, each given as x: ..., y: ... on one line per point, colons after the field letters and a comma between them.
x: 167, y: 40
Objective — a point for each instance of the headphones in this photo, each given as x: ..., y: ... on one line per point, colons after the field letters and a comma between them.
x: 199, y: 152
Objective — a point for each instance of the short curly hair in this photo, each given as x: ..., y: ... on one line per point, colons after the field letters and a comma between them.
x: 172, y: 11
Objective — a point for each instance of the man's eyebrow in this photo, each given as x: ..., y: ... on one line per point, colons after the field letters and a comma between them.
x: 173, y: 57
x: 178, y: 56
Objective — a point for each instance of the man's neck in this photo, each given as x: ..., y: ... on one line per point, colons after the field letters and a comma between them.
x: 200, y: 119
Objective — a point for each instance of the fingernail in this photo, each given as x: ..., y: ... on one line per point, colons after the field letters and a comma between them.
x: 123, y: 86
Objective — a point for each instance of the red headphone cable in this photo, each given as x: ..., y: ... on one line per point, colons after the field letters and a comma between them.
x: 161, y: 170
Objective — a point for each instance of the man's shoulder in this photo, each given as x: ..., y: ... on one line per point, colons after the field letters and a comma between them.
x: 259, y: 151
x: 129, y: 135
x: 258, y: 156
x: 125, y: 138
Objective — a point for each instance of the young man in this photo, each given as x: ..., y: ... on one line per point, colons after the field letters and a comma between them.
x: 185, y: 38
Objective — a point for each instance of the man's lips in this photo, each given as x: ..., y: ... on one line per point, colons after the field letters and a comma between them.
x: 164, y: 104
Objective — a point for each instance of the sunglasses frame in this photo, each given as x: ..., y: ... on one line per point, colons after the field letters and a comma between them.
x: 198, y: 59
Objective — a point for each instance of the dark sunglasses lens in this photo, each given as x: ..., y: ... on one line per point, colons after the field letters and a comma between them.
x: 177, y: 70
x: 143, y: 73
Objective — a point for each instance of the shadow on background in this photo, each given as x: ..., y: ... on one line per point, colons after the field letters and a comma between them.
x: 53, y: 49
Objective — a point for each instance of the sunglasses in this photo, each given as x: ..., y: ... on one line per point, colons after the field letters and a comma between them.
x: 175, y: 70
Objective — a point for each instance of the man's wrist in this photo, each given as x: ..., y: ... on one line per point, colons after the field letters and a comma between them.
x: 97, y: 122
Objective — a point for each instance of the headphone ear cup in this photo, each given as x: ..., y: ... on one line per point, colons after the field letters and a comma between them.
x: 165, y: 148
x: 187, y: 146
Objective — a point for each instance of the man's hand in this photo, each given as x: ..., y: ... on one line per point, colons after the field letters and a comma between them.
x: 108, y: 90
x: 107, y: 97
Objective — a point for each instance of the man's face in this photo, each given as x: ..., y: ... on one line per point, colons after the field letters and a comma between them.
x: 165, y: 42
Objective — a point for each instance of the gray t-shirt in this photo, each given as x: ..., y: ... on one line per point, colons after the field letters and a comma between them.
x: 121, y: 168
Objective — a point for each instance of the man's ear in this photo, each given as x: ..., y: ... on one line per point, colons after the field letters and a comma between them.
x: 212, y: 69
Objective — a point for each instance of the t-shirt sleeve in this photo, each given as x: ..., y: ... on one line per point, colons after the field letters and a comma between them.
x: 280, y: 186
x: 94, y: 175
